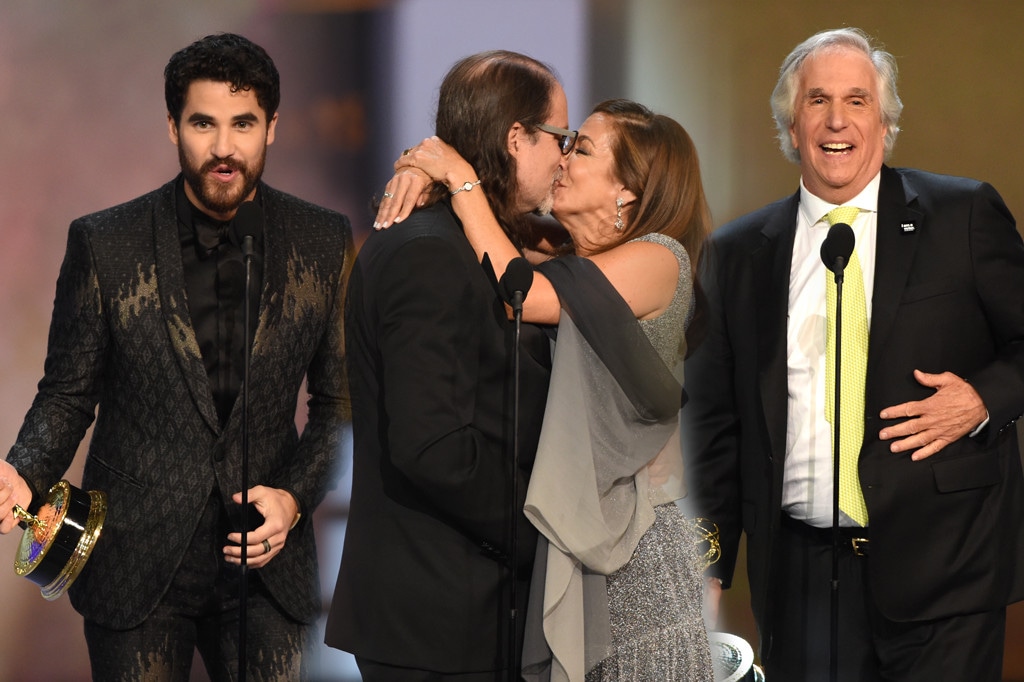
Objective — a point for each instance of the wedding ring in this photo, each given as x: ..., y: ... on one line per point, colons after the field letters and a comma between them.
x: 388, y: 195
x: 266, y: 546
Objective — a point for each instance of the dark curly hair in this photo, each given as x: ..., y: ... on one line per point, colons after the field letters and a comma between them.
x: 222, y: 58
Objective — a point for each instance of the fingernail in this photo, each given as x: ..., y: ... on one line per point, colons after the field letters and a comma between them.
x: 376, y: 225
x: 398, y: 219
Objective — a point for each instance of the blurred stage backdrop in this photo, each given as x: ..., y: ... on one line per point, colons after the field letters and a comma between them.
x: 83, y: 126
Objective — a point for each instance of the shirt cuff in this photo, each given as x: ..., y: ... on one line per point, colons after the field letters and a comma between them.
x: 980, y: 427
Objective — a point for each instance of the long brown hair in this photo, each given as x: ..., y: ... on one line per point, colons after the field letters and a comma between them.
x: 481, y: 98
x: 654, y: 157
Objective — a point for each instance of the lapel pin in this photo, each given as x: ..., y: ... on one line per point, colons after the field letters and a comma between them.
x: 908, y: 227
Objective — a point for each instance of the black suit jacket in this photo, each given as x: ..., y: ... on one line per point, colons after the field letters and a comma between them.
x: 121, y: 338
x: 946, y: 532
x: 424, y: 577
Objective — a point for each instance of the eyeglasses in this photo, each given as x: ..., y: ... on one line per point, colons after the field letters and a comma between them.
x: 566, y: 138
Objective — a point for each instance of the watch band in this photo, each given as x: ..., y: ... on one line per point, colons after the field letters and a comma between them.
x: 465, y: 187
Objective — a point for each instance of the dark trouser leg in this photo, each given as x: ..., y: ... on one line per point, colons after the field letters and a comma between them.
x: 960, y: 648
x: 159, y: 650
x: 800, y: 626
x: 162, y: 647
x: 278, y: 648
x: 968, y: 647
x: 200, y: 610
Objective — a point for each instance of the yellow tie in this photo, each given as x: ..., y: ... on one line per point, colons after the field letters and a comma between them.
x: 854, y: 370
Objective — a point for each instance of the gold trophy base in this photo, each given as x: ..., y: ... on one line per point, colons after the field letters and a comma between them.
x: 59, y: 539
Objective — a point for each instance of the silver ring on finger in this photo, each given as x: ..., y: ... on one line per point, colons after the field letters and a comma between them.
x: 388, y: 195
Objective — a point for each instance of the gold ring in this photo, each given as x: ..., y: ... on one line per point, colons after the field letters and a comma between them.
x: 406, y: 152
x: 266, y: 546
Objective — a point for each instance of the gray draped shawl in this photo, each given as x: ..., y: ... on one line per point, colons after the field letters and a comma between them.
x: 612, y: 407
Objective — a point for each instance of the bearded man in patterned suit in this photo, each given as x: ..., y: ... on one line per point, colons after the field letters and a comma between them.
x: 148, y: 327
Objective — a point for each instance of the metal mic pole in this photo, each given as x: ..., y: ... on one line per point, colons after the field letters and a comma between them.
x: 834, y: 643
x: 835, y: 252
x: 517, y: 314
x: 243, y: 588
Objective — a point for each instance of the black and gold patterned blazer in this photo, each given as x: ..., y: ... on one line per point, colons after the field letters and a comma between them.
x: 121, y: 339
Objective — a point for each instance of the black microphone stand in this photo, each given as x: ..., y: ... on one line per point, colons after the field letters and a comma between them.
x: 836, y: 251
x: 517, y: 316
x: 248, y: 248
x: 513, y: 287
x: 834, y: 625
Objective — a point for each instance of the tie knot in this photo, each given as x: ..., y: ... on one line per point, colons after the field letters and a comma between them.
x: 843, y: 214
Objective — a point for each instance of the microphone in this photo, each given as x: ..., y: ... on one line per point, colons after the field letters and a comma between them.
x: 837, y: 247
x: 247, y: 233
x: 513, y: 286
x: 835, y: 253
x: 247, y: 227
x: 516, y: 283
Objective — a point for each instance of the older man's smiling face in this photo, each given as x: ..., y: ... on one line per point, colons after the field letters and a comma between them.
x: 837, y: 125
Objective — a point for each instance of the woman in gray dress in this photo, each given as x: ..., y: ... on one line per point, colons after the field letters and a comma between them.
x: 609, y: 470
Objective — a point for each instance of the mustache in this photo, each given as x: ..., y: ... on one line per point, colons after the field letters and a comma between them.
x: 229, y: 163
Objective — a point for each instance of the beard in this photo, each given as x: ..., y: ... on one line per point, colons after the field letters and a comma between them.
x: 547, y: 203
x: 544, y: 207
x: 216, y: 197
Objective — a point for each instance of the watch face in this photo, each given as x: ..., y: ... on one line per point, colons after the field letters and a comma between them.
x: 465, y: 187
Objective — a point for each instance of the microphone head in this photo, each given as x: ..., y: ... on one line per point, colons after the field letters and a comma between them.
x: 248, y: 222
x: 518, y: 277
x: 838, y: 244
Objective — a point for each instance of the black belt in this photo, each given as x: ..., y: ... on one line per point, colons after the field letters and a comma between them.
x: 854, y: 538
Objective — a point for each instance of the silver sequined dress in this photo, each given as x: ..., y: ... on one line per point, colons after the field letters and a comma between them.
x: 655, y: 600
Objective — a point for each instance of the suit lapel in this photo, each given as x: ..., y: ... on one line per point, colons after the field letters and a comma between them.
x: 895, y: 243
x: 272, y: 295
x: 275, y: 273
x: 171, y: 285
x: 771, y: 264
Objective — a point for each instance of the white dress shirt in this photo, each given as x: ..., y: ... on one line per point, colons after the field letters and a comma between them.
x: 807, y: 478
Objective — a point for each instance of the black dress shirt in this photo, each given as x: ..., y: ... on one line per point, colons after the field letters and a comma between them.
x: 215, y: 284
